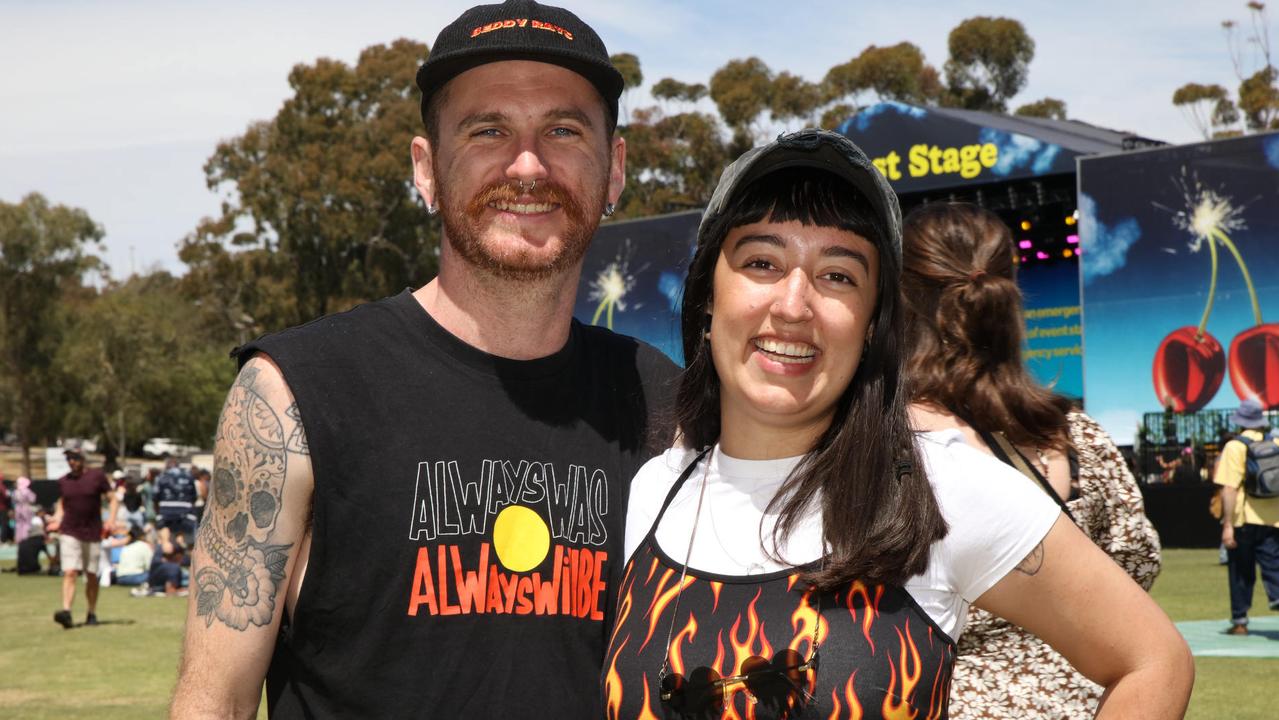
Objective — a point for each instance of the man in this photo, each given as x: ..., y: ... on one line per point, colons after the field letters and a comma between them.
x: 430, y: 489
x: 175, y: 496
x: 78, y: 519
x: 202, y: 477
x: 1249, y: 525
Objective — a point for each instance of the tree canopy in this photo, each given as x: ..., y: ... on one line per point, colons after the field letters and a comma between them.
x: 1051, y: 108
x: 741, y: 90
x: 138, y: 367
x: 1211, y: 110
x: 672, y: 89
x: 323, y: 184
x: 1205, y: 106
x: 989, y: 62
x: 44, y: 251
x: 896, y: 72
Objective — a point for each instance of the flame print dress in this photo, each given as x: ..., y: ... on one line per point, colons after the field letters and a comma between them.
x: 880, y: 655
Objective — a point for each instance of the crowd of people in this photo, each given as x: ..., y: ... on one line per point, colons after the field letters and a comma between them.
x: 123, y: 529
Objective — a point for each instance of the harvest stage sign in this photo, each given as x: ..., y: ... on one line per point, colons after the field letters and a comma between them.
x: 920, y: 149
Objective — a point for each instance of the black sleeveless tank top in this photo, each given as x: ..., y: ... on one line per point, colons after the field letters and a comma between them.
x: 468, y: 512
x: 880, y: 655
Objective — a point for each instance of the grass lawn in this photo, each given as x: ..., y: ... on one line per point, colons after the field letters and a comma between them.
x: 1192, y: 586
x: 125, y: 668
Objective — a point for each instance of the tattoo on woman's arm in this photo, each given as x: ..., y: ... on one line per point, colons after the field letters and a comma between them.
x: 1032, y: 562
x: 245, y: 569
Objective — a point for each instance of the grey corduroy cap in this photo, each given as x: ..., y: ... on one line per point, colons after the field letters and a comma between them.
x: 810, y: 148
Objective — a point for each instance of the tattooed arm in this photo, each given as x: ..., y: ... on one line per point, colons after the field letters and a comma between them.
x: 247, y: 549
x: 1073, y: 596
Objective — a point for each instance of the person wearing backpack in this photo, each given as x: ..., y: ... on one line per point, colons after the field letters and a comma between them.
x: 1249, y: 478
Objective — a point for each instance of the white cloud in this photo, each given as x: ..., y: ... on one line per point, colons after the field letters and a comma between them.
x: 1104, y: 249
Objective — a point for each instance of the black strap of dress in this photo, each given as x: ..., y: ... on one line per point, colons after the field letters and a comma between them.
x: 1010, y: 455
x: 679, y: 483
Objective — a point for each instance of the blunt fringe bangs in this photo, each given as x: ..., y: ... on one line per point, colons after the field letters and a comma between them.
x: 879, y: 515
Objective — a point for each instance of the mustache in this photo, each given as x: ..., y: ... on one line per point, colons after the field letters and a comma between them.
x: 545, y: 192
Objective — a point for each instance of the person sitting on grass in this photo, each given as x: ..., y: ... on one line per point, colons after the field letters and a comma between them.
x: 165, y: 577
x: 33, y: 545
x: 135, y: 559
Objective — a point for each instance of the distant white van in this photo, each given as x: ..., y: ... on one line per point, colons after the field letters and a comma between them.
x: 165, y: 447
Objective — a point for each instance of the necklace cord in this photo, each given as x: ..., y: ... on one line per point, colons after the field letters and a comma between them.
x: 688, y: 555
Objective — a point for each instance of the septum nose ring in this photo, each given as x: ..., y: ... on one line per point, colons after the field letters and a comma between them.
x: 529, y: 188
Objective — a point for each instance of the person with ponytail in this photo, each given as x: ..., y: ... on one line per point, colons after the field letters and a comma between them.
x: 965, y: 330
x: 801, y: 551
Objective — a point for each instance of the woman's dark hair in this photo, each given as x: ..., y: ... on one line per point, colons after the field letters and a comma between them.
x: 879, y: 515
x: 964, y: 322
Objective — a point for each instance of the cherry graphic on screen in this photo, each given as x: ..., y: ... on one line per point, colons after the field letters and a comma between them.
x: 1189, y: 363
x: 1189, y: 367
x: 1254, y: 364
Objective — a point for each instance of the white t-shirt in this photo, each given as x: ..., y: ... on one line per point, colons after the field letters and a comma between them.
x: 996, y: 517
x: 135, y: 559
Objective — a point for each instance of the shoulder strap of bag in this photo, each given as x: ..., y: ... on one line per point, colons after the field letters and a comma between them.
x: 1010, y: 455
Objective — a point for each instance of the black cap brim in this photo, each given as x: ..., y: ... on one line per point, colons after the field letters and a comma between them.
x: 433, y: 76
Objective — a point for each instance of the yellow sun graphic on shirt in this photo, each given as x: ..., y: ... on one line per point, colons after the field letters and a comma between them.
x: 520, y: 538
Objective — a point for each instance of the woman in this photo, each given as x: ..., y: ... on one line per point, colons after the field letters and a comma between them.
x: 24, y: 508
x: 964, y: 316
x: 799, y: 555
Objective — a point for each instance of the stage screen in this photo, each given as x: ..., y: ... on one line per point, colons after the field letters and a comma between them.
x: 633, y: 278
x: 1050, y: 304
x: 1180, y: 271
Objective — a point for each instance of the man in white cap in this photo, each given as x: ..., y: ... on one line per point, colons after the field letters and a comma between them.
x: 1249, y: 524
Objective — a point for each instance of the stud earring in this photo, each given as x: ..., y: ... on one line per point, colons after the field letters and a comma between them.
x: 431, y: 209
x: 609, y: 209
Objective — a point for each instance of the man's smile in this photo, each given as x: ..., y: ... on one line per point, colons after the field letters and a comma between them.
x: 525, y: 208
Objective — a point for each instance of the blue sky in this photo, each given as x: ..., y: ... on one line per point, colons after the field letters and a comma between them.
x: 114, y: 106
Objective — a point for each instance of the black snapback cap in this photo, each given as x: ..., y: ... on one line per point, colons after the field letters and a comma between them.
x: 519, y: 30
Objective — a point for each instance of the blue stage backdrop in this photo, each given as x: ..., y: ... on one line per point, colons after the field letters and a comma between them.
x: 1054, y: 350
x: 633, y: 278
x: 1180, y: 271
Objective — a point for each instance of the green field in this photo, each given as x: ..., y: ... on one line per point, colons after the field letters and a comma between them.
x: 125, y: 668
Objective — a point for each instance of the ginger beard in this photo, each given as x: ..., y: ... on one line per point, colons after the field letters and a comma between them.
x: 474, y: 239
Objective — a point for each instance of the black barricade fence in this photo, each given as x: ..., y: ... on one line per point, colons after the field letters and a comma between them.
x: 1183, y: 447
x: 1180, y: 514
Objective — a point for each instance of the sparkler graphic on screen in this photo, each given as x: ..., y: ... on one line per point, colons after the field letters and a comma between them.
x: 610, y: 287
x: 1209, y: 216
